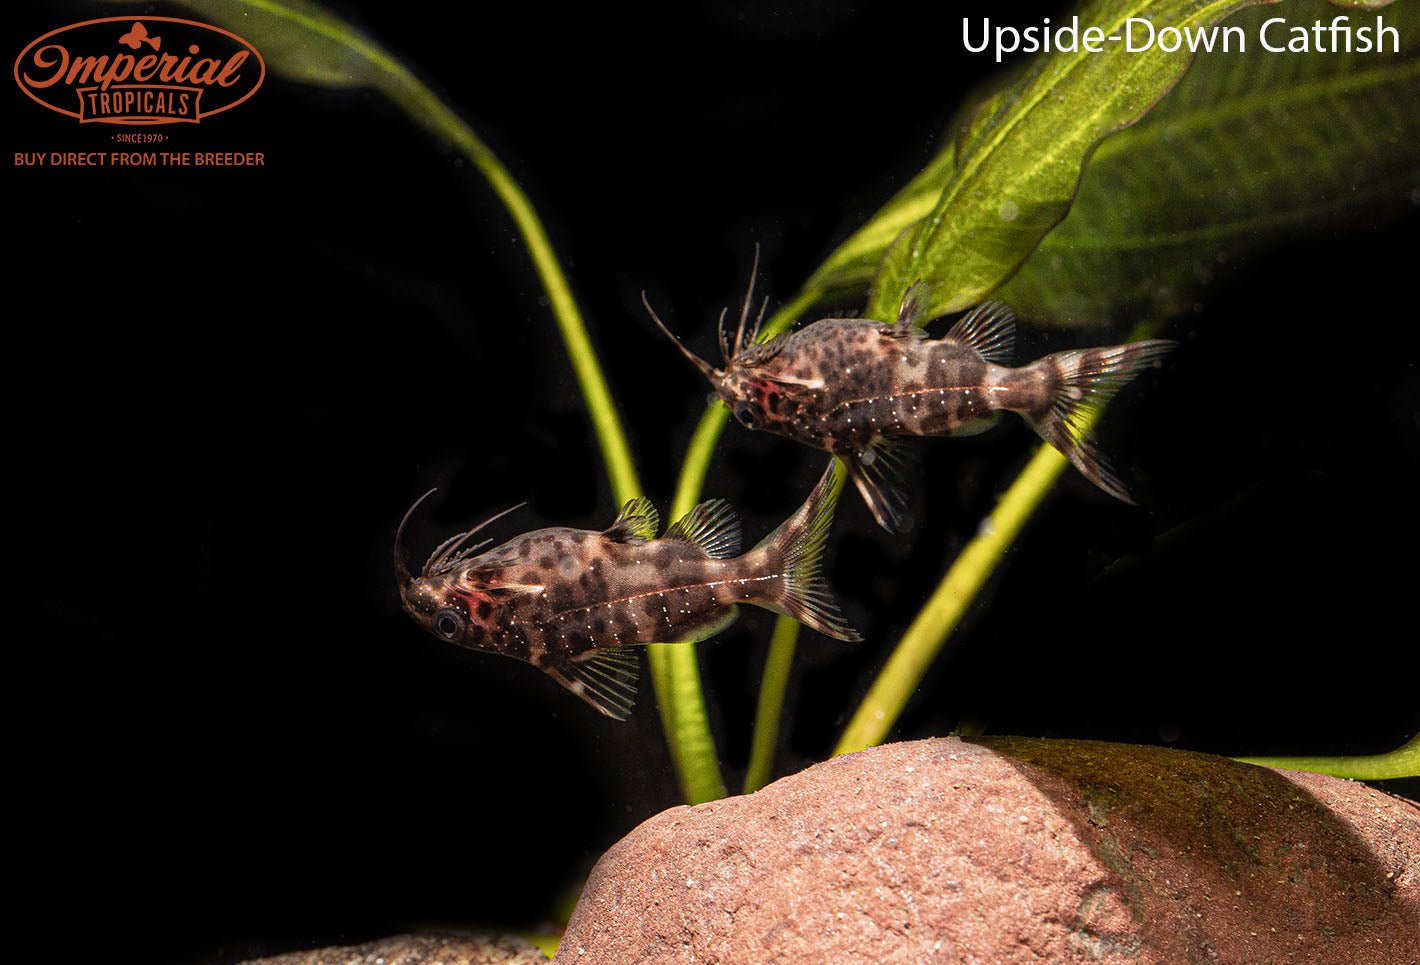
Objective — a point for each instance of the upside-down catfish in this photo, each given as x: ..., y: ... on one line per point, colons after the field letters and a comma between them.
x: 572, y: 602
x: 853, y: 386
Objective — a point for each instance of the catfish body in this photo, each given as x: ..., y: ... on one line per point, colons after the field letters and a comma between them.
x: 853, y: 386
x: 571, y: 602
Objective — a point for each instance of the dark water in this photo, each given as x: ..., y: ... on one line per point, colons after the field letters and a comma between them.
x: 226, y: 387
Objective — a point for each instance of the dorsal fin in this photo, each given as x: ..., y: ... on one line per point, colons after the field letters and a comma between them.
x: 714, y: 526
x: 636, y: 523
x: 990, y: 328
x: 914, y: 304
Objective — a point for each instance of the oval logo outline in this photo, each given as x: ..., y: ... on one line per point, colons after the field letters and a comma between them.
x: 242, y: 42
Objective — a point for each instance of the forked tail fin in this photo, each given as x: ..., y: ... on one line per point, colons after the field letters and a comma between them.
x: 1083, y: 380
x: 795, y: 551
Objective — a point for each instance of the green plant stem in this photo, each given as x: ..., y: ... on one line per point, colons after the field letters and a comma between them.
x: 771, y: 702
x: 547, y: 944
x: 1404, y: 761
x: 611, y: 438
x: 929, y: 631
x: 675, y: 672
x: 425, y: 108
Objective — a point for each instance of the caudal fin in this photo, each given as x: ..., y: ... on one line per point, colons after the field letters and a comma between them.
x: 1083, y: 381
x: 795, y: 551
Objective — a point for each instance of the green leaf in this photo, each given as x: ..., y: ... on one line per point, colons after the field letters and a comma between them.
x: 1249, y: 145
x: 1020, y: 161
x: 301, y: 41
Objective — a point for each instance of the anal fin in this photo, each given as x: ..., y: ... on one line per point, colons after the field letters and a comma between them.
x: 721, y: 621
x: 878, y: 473
x: 974, y: 427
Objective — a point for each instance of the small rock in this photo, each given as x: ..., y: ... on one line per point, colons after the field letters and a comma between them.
x: 423, y: 949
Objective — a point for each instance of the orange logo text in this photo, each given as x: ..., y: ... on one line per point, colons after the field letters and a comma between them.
x: 152, y: 70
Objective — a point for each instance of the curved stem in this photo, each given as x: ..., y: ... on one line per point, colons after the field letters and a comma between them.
x: 771, y: 702
x: 611, y: 438
x: 675, y: 673
x: 429, y: 111
x: 929, y: 631
x: 1402, y: 762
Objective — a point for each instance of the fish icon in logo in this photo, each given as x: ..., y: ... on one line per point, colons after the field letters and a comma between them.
x: 138, y: 36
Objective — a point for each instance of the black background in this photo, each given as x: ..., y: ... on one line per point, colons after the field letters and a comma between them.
x: 226, y: 386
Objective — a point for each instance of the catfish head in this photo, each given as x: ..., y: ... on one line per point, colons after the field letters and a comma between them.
x: 753, y: 385
x: 455, y: 597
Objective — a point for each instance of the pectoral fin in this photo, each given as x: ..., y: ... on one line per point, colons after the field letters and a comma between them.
x: 794, y: 381
x: 878, y: 473
x: 604, y: 678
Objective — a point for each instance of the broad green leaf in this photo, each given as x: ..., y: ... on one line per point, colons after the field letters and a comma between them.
x: 1020, y: 161
x: 1246, y: 146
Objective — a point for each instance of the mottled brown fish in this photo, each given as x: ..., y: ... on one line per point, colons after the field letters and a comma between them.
x: 572, y: 602
x: 853, y: 387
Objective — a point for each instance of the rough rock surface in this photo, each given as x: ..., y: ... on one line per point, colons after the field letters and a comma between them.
x: 1016, y: 850
x: 424, y: 949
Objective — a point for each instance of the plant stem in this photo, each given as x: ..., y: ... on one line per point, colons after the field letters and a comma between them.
x: 771, y: 702
x: 427, y: 110
x: 1404, y: 761
x: 675, y: 673
x: 929, y: 631
x: 611, y: 438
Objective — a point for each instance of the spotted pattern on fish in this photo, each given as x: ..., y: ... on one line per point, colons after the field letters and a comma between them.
x: 852, y: 386
x: 570, y: 601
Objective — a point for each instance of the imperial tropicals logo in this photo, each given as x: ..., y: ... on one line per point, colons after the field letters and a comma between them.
x: 153, y: 70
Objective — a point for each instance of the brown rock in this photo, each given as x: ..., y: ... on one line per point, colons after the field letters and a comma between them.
x: 424, y: 949
x: 1015, y: 850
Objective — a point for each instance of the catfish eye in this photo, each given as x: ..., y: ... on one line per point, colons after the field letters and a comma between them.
x: 448, y: 623
x: 747, y: 414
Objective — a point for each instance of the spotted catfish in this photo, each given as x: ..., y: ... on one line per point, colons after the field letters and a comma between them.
x: 854, y: 387
x: 572, y: 602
